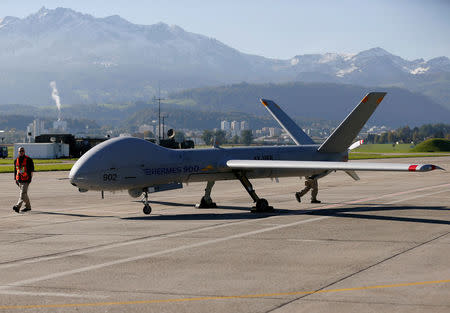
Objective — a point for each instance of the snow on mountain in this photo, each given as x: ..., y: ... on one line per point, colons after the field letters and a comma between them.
x: 419, y: 70
x: 84, y: 48
x: 8, y: 20
x: 343, y: 72
x: 66, y: 36
x: 372, y: 67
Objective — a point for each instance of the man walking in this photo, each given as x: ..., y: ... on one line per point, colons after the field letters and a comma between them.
x: 23, y: 173
x: 310, y: 183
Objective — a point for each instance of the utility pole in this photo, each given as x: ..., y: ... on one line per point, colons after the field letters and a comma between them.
x: 163, y: 131
x: 164, y: 117
x: 159, y: 115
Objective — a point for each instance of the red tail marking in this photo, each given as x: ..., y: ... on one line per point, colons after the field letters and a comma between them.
x: 412, y: 168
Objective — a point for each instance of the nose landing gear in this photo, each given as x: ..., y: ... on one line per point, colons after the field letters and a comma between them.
x: 147, y: 208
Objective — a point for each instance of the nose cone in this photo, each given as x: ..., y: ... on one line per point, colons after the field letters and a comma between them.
x: 114, y: 157
x: 84, y: 172
x: 79, y: 174
x: 74, y: 175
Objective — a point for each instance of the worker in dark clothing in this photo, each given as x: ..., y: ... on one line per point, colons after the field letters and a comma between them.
x: 23, y: 173
x: 310, y: 183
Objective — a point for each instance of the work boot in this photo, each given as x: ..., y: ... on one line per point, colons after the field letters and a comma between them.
x: 16, y: 208
x: 315, y: 201
x: 26, y: 209
x: 297, y: 196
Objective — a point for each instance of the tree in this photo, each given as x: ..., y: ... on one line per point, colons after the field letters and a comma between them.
x: 220, y: 136
x: 235, y: 139
x: 246, y: 137
x: 383, y: 138
x: 207, y: 137
x: 391, y: 137
x: 404, y: 134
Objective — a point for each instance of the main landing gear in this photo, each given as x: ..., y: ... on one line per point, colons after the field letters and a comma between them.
x: 147, y: 208
x: 206, y: 201
x: 261, y: 205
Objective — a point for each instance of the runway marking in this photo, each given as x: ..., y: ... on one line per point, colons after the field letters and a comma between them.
x: 152, y: 254
x: 138, y: 241
x: 48, y: 294
x: 263, y: 295
x: 415, y: 197
x: 189, y: 246
x: 122, y: 244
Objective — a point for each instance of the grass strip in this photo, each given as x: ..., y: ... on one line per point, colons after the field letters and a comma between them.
x: 36, y: 161
x: 40, y: 168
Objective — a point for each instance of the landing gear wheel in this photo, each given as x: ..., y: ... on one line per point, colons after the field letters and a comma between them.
x: 204, y: 203
x: 147, y: 209
x: 262, y: 206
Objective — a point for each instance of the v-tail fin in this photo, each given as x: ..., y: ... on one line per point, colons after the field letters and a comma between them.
x: 344, y: 135
x: 294, y: 131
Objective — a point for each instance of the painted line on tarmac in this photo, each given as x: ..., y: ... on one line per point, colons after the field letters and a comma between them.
x: 153, y: 238
x: 252, y: 296
x: 49, y: 294
x: 172, y: 250
x: 121, y: 244
x: 152, y: 254
x: 190, y: 246
x: 401, y: 193
x: 415, y: 197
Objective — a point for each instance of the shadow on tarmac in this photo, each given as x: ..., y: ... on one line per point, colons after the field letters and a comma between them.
x: 70, y: 214
x: 354, y: 212
x: 360, y: 212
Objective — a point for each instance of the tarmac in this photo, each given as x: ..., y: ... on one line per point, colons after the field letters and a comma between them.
x: 380, y: 244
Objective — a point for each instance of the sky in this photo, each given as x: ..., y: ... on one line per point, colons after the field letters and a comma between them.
x: 282, y: 29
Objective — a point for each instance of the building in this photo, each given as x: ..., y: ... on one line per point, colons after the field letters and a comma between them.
x: 50, y: 150
x: 35, y: 129
x: 274, y: 131
x: 245, y: 125
x: 225, y: 126
x: 235, y: 128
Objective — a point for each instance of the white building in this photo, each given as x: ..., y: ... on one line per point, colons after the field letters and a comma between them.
x: 225, y: 125
x: 245, y: 125
x: 235, y: 128
x: 35, y: 129
x: 50, y: 150
x: 274, y: 131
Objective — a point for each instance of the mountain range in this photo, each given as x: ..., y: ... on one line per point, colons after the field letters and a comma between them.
x: 110, y: 60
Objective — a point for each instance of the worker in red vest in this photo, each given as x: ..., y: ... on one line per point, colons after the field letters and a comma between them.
x: 23, y: 173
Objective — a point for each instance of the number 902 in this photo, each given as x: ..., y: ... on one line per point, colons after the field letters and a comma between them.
x: 109, y: 177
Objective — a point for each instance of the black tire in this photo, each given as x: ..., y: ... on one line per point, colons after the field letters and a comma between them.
x: 147, y: 209
x: 203, y: 203
x: 262, y: 205
x: 206, y: 204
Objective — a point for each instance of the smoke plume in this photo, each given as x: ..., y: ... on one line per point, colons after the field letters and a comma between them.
x: 55, y: 97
